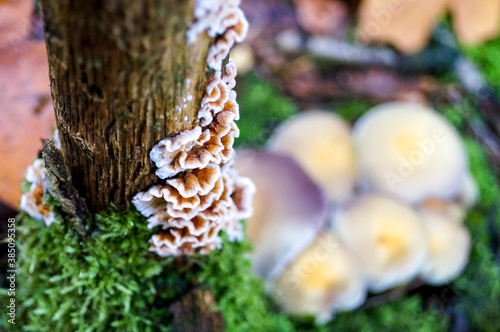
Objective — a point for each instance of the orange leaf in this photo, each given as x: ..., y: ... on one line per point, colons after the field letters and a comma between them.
x: 15, y: 21
x: 475, y: 21
x: 406, y: 24
x: 27, y: 114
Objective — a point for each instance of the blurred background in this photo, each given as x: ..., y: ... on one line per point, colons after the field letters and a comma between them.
x: 308, y: 70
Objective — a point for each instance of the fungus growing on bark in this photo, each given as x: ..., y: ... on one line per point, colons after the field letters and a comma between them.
x: 32, y: 201
x: 321, y: 280
x: 385, y: 236
x: 189, y: 223
x: 222, y: 20
x: 212, y: 140
x: 448, y: 247
x: 201, y: 196
x: 321, y: 143
x: 287, y: 214
x: 197, y: 181
x: 409, y: 151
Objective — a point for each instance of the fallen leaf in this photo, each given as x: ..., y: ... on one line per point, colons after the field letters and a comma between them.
x: 475, y: 21
x: 15, y: 21
x: 27, y: 113
x: 406, y: 24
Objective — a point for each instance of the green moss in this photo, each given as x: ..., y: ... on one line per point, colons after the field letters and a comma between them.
x: 109, y: 281
x: 404, y: 314
x: 157, y: 125
x: 262, y: 108
x: 478, y: 288
x: 352, y: 110
x: 240, y: 294
x: 486, y: 56
x: 101, y: 282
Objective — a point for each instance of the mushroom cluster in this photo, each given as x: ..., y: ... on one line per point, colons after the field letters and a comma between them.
x: 199, y: 194
x: 397, y: 187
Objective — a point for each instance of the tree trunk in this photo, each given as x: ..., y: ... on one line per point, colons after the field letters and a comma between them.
x: 122, y: 78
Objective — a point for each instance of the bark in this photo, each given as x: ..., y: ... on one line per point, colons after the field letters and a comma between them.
x: 60, y: 188
x: 118, y: 69
x: 195, y: 313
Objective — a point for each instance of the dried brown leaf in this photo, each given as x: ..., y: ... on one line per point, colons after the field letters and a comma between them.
x: 405, y: 24
x: 15, y: 21
x: 27, y: 113
x: 475, y: 21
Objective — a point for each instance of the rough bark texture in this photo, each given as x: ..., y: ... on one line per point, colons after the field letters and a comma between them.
x: 60, y: 187
x: 118, y: 70
x: 195, y: 313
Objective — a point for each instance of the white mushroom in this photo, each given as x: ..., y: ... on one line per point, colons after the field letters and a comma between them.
x: 385, y: 236
x: 410, y: 151
x: 289, y: 210
x: 322, y: 280
x: 448, y: 247
x: 321, y: 143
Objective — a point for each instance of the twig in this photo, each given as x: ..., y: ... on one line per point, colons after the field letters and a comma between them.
x: 434, y: 59
x: 336, y: 50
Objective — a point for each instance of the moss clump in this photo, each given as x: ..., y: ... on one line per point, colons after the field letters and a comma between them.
x: 98, y: 283
x: 240, y: 294
x: 109, y: 280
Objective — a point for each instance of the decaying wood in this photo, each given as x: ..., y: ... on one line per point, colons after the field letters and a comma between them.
x: 195, y: 312
x: 118, y: 70
x: 59, y: 186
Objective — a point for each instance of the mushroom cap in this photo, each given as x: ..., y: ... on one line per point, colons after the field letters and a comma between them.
x: 448, y: 247
x: 322, y: 279
x: 289, y: 210
x: 321, y: 143
x: 410, y: 151
x: 385, y: 236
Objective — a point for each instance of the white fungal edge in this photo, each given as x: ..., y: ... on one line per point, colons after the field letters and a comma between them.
x: 223, y: 20
x: 35, y: 175
x: 220, y: 19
